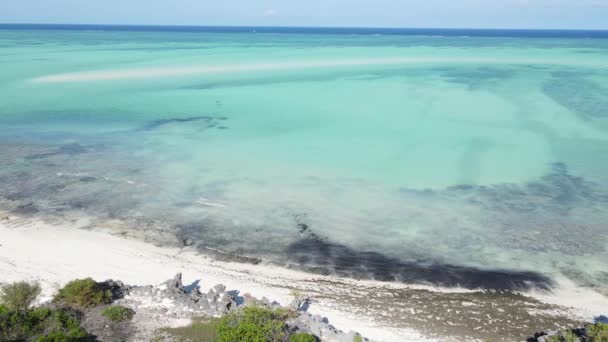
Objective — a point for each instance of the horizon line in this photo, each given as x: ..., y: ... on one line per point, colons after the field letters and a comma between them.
x: 309, y: 27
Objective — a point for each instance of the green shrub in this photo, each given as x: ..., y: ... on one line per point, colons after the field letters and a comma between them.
x: 597, y: 332
x: 60, y: 336
x: 302, y: 338
x: 41, y: 325
x: 56, y: 336
x: 357, y: 338
x: 563, y: 336
x: 16, y: 325
x: 84, y: 293
x: 67, y: 322
x: 118, y: 313
x: 202, y: 330
x: 19, y: 295
x: 253, y: 324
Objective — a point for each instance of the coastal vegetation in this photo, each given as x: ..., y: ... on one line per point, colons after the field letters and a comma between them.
x: 83, y: 293
x: 19, y: 295
x: 41, y: 325
x: 47, y: 323
x: 254, y: 324
x: 250, y: 324
x: 64, y: 318
x: 597, y: 332
x: 563, y: 336
x: 118, y: 313
x: 302, y: 337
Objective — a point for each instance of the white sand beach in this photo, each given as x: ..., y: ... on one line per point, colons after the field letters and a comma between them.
x: 55, y: 255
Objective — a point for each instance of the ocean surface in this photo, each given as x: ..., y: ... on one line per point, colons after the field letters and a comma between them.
x: 474, y: 158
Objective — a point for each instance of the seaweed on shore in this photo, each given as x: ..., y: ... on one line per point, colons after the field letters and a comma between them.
x: 319, y: 256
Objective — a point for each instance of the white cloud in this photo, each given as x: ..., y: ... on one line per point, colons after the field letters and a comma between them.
x: 269, y: 12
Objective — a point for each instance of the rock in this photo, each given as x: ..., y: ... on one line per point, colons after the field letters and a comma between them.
x: 601, y: 319
x: 195, y: 294
x: 227, y: 303
x: 294, y: 304
x: 177, y: 281
x: 248, y: 299
x: 219, y: 288
x: 299, y: 304
x: 170, y: 303
x: 118, y: 288
x: 174, y: 285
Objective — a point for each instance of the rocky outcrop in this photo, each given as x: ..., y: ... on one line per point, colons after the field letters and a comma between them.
x: 117, y: 288
x: 320, y: 327
x: 172, y: 304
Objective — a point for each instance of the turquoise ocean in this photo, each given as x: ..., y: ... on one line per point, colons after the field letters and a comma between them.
x: 450, y: 157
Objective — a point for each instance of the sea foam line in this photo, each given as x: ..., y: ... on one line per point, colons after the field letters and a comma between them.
x: 128, y: 74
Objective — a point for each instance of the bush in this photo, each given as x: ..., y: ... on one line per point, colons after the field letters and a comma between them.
x: 597, y: 332
x: 302, y: 338
x: 563, y: 336
x: 118, y: 313
x: 58, y: 336
x: 16, y: 325
x: 41, y: 325
x: 68, y: 322
x: 19, y: 295
x: 253, y: 324
x: 357, y: 338
x: 84, y: 293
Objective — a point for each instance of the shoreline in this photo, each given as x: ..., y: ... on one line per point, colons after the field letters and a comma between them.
x: 53, y: 255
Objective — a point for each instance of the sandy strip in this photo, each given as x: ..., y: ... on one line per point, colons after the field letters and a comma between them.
x: 172, y: 71
x: 54, y: 255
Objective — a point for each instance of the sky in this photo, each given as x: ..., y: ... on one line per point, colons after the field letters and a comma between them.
x: 560, y: 14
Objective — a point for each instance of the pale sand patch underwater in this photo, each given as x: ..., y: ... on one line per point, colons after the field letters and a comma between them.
x: 143, y: 73
x: 52, y: 254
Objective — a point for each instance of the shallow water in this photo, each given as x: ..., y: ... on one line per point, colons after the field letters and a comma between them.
x: 470, y: 161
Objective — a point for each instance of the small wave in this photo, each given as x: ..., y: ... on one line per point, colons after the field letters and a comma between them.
x: 208, y: 203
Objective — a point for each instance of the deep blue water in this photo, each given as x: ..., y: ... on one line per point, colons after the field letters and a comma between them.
x: 525, y: 33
